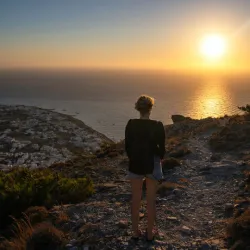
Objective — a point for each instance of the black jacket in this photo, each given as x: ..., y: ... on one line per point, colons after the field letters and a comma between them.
x: 143, y: 140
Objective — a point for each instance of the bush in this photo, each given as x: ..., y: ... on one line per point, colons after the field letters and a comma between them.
x: 42, y: 236
x: 22, y: 230
x: 166, y: 187
x: 239, y: 230
x: 180, y: 152
x: 45, y: 236
x: 170, y: 163
x: 246, y: 108
x: 247, y: 174
x: 36, y: 214
x: 21, y: 188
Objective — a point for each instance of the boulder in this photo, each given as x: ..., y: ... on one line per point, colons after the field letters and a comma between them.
x: 178, y: 118
x: 170, y: 163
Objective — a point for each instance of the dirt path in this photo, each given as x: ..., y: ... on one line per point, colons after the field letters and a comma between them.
x: 192, y: 217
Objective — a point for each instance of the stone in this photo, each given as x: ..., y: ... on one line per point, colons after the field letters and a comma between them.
x: 215, y: 157
x: 229, y: 209
x: 186, y: 230
x: 33, y: 165
x: 172, y: 218
x: 35, y: 146
x: 177, y: 192
x: 123, y: 224
x: 180, y: 152
x: 74, y: 248
x: 170, y: 163
x: 69, y: 246
x: 73, y: 242
x: 178, y: 118
x: 205, y: 246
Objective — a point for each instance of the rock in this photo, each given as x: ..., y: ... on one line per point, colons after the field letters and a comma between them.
x: 33, y: 165
x: 7, y: 131
x: 73, y: 242
x: 186, y: 230
x: 180, y: 152
x: 169, y: 163
x: 80, y: 223
x: 36, y: 147
x: 172, y: 218
x: 178, y: 118
x: 123, y: 224
x: 69, y: 246
x: 23, y: 159
x: 215, y: 157
x: 205, y: 246
x: 177, y: 192
x: 215, y: 242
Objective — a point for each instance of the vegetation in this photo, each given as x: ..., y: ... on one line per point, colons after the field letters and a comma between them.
x: 38, y: 237
x: 245, y: 109
x: 166, y: 187
x: 36, y: 214
x: 22, y: 188
x: 170, y: 163
x: 239, y: 231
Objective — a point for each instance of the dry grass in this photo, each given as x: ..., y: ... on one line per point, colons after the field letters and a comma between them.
x: 61, y: 217
x: 239, y: 230
x: 87, y: 228
x: 169, y: 186
x: 174, y: 140
x: 36, y: 214
x: 247, y: 174
x: 22, y: 231
x: 45, y: 236
x: 170, y: 163
x: 40, y: 237
x: 184, y: 181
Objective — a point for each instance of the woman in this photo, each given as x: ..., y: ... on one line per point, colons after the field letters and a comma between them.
x: 145, y: 146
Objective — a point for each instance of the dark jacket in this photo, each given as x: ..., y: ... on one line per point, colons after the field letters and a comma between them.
x: 143, y: 140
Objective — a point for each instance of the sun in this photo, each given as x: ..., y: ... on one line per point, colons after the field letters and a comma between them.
x: 213, y: 47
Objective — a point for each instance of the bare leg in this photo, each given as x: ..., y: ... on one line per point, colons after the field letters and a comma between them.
x: 136, y: 185
x: 151, y: 195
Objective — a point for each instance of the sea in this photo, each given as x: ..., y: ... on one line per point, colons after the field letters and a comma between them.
x: 104, y: 99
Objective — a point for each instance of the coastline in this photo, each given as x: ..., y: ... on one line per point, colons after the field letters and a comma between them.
x: 36, y: 137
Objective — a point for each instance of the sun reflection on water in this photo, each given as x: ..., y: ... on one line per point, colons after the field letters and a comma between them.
x: 210, y: 99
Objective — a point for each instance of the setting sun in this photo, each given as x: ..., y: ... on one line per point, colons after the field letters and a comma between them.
x: 213, y: 46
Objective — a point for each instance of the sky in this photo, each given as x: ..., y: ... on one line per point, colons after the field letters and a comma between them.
x: 127, y: 34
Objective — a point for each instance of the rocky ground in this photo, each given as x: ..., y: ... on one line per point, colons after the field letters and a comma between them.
x: 193, y: 205
x: 35, y: 137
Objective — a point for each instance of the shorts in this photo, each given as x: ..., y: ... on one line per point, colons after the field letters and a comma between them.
x: 156, y: 175
x: 132, y: 176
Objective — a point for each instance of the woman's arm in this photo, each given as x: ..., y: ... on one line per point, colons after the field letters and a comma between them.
x: 161, y: 139
x: 127, y: 138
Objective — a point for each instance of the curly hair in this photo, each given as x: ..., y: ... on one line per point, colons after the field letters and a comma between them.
x: 144, y: 104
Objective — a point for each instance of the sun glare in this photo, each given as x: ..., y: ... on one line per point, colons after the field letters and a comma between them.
x: 213, y: 46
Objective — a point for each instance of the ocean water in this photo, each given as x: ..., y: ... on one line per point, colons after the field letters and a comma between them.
x: 105, y: 100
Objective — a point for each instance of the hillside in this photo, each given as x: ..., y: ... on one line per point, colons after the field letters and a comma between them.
x: 203, y: 204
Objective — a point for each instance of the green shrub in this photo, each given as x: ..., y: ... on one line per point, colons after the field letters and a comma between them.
x: 22, y: 188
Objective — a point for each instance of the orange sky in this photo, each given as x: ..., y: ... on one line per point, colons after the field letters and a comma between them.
x: 123, y: 35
